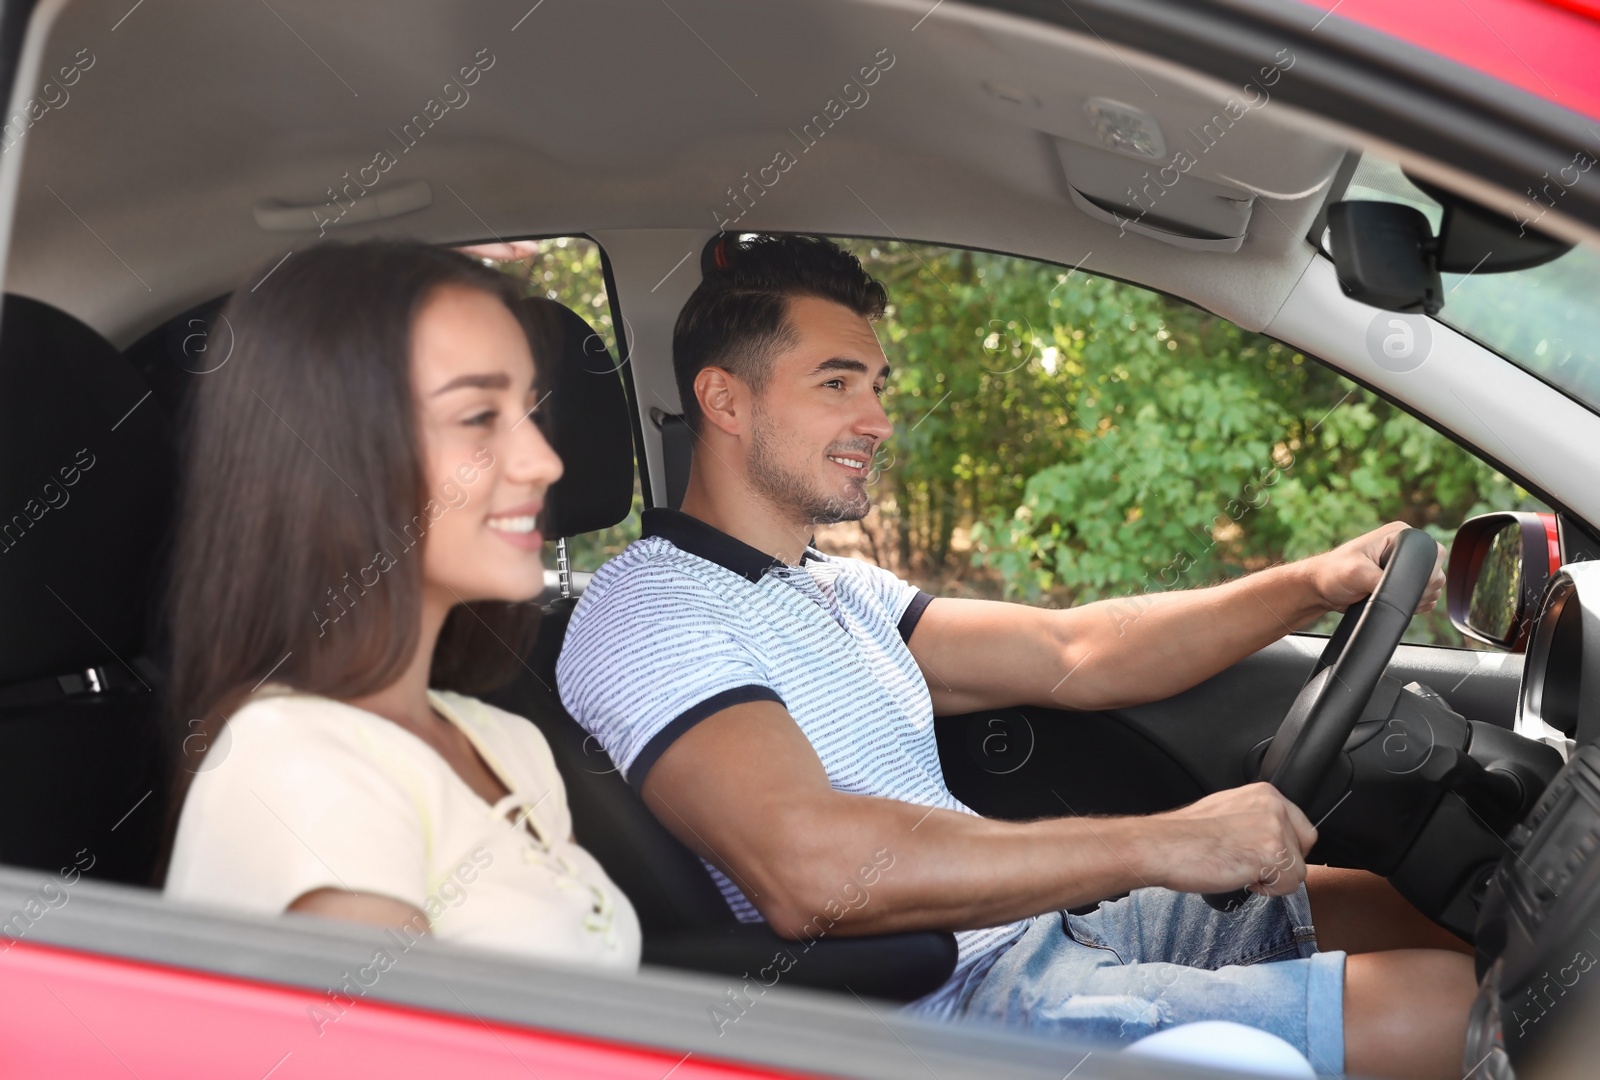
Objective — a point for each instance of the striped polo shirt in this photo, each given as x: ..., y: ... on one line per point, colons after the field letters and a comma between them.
x: 688, y: 621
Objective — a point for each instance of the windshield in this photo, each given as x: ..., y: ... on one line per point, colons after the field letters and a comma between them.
x: 1545, y: 319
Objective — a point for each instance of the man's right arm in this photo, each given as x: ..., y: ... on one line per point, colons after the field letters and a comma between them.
x: 745, y: 789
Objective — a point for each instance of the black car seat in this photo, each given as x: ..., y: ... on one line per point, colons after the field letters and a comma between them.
x: 185, y: 347
x: 686, y: 921
x: 87, y: 471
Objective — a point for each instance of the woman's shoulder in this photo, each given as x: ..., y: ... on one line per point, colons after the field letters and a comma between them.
x: 285, y: 712
x: 278, y: 728
x: 506, y: 732
x: 300, y: 792
x: 487, y: 719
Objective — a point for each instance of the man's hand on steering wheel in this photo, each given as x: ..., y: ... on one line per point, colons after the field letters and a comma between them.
x: 1405, y: 563
x: 1351, y: 571
x: 1250, y: 836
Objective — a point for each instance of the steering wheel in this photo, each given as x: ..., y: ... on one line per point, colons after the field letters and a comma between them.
x: 1327, y: 708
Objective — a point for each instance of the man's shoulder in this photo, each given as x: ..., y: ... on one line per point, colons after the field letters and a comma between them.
x: 653, y: 620
x: 647, y: 568
x: 849, y: 564
x: 649, y: 586
x: 886, y: 582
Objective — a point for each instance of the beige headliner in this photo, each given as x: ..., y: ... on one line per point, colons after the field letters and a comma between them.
x: 136, y: 196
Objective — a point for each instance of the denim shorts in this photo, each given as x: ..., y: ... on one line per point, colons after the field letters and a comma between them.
x: 1156, y: 959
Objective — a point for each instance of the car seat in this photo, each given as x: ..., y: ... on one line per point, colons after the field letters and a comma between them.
x: 87, y: 472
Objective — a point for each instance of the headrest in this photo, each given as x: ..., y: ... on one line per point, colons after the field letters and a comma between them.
x: 180, y: 350
x: 86, y: 482
x: 589, y: 426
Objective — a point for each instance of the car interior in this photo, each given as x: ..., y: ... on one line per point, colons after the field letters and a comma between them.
x: 586, y: 121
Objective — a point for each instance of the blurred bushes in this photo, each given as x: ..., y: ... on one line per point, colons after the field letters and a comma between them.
x: 1071, y: 437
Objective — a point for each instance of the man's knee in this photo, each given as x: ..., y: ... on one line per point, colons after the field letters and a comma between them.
x: 1405, y: 1011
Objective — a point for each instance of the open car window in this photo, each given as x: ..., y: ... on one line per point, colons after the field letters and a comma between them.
x: 1062, y: 437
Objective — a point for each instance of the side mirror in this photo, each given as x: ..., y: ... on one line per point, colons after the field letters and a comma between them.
x: 1383, y: 255
x: 1499, y: 565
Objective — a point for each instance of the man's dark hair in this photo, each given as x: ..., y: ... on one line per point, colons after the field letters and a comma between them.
x: 737, y: 319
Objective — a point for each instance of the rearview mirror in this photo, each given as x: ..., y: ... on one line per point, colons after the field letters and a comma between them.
x: 1475, y: 239
x: 1499, y: 565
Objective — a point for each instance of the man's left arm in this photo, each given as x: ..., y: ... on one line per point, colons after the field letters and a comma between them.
x: 978, y: 654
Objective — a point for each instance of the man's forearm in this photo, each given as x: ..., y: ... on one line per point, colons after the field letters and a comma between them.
x: 745, y: 790
x: 1144, y: 648
x: 981, y: 654
x: 888, y: 866
x: 860, y: 865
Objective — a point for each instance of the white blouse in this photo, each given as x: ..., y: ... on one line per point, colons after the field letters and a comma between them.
x: 302, y: 792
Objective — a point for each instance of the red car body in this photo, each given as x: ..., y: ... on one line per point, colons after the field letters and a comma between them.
x: 62, y: 1011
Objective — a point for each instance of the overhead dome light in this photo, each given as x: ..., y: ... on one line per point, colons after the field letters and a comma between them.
x: 1123, y: 127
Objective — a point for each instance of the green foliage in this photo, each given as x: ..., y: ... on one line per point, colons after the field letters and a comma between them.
x: 1062, y: 437
x: 568, y: 269
x: 1079, y: 438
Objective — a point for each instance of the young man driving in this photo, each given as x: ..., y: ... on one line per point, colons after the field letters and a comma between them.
x: 774, y: 707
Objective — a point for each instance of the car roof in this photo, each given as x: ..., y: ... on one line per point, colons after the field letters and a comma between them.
x: 1546, y: 47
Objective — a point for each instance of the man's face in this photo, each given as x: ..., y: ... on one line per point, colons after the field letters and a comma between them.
x: 816, y: 424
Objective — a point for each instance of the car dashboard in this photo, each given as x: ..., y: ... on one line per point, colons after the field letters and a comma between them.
x: 1538, y: 932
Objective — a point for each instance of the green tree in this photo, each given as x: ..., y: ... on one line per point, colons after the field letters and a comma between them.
x: 1091, y: 438
x: 1061, y: 437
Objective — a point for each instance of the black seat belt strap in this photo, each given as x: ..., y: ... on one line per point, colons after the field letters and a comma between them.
x: 90, y: 682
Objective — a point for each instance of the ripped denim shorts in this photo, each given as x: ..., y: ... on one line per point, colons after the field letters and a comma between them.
x: 1157, y: 958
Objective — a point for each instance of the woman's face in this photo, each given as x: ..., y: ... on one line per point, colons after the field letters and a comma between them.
x: 486, y: 461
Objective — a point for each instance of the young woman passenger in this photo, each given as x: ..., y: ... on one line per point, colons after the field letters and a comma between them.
x: 355, y: 555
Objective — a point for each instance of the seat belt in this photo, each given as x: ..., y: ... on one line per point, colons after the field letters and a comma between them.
x: 90, y: 682
x: 677, y: 444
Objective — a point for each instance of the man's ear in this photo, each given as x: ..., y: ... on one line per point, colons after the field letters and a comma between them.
x: 722, y: 397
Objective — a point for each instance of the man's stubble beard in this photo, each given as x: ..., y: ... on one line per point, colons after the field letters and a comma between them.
x: 792, y: 492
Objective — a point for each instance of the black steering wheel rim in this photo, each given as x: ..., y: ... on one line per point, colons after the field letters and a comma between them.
x: 1347, y: 674
x: 1330, y: 704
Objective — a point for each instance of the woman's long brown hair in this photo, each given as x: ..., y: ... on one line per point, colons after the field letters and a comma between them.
x: 301, y: 465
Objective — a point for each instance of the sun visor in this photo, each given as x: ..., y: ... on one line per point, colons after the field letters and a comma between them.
x: 1159, y: 198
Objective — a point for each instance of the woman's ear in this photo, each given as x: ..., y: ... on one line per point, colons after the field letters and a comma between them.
x: 722, y: 399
